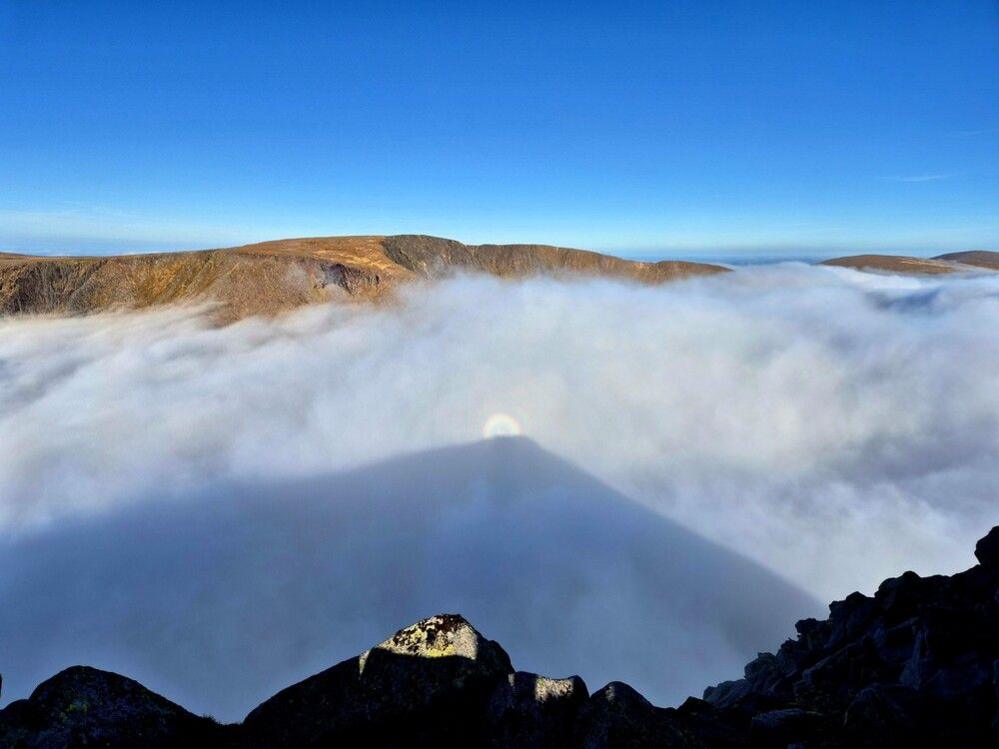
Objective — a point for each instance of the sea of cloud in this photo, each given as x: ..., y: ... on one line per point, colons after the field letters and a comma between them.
x: 834, y: 427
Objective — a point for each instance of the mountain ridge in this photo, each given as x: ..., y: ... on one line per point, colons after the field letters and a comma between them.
x: 271, y: 277
x: 267, y: 278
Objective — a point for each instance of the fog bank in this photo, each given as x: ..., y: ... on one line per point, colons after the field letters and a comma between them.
x: 835, y: 427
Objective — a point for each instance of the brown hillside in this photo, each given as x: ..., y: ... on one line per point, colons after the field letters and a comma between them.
x: 271, y: 277
x: 978, y: 258
x: 895, y: 264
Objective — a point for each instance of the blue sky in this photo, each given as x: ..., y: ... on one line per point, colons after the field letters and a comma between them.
x: 641, y: 128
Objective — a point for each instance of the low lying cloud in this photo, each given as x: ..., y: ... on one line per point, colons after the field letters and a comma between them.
x: 182, y: 486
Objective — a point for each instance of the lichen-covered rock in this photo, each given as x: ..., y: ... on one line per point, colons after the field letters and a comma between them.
x: 83, y: 706
x: 428, y: 684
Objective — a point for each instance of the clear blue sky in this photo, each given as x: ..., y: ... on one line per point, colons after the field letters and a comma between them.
x: 644, y: 128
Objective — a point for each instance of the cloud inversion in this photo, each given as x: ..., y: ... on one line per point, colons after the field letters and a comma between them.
x: 833, y: 426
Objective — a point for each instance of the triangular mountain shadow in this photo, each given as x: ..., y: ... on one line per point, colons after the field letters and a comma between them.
x: 220, y: 599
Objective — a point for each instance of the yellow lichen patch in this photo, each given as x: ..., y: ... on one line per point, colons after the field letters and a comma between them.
x: 441, y: 636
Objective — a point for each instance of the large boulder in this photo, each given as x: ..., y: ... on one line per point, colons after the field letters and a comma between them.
x: 618, y: 716
x: 987, y: 549
x: 786, y: 726
x: 880, y: 710
x: 529, y: 710
x: 427, y: 685
x: 84, y: 706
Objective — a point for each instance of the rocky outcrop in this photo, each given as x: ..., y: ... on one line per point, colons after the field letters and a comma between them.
x: 428, y: 684
x: 272, y: 277
x: 918, y: 659
x: 915, y: 665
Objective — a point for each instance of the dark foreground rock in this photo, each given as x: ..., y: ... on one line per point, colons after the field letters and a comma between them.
x: 84, y: 706
x: 429, y: 683
x: 915, y: 665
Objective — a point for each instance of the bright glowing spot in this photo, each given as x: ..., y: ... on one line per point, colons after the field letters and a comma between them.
x: 501, y: 425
